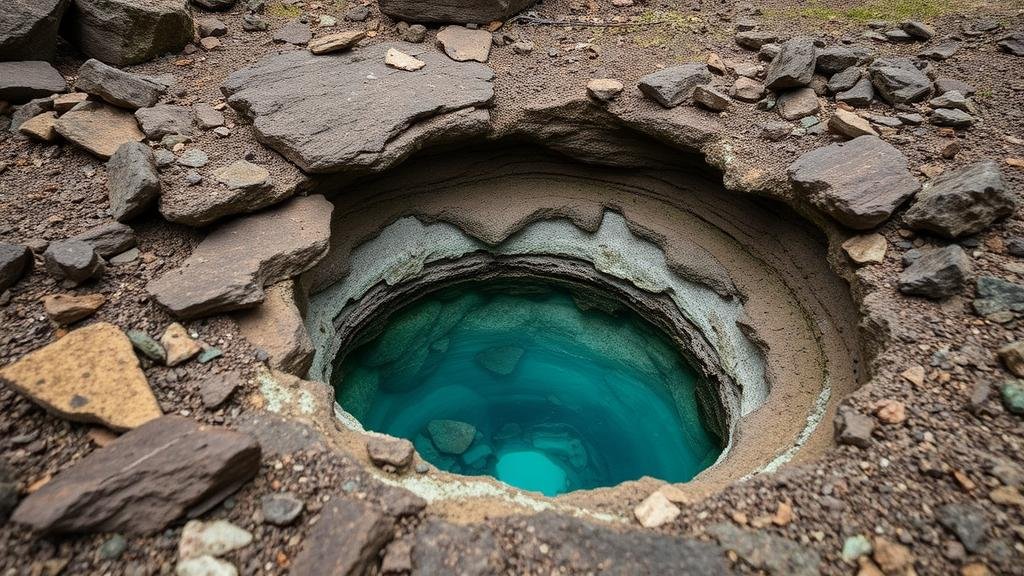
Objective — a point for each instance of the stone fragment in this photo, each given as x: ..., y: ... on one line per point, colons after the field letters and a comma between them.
x: 522, y: 47
x: 656, y: 510
x: 336, y: 42
x: 849, y: 124
x: 747, y: 89
x: 451, y: 436
x: 798, y: 103
x: 402, y: 61
x: 397, y: 558
x: 215, y: 390
x: 276, y: 327
x: 385, y: 451
x: 207, y: 27
x: 108, y: 239
x: 755, y: 39
x: 890, y: 411
x: 73, y: 261
x: 1012, y: 356
x: 794, y: 65
x: 998, y: 295
x: 836, y: 59
x: 938, y: 273
x: 357, y: 14
x: 214, y: 5
x: 207, y: 116
x: 64, y: 309
x: 853, y: 428
x: 891, y: 557
x: 89, y: 375
x: 899, y: 81
x: 209, y: 43
x: 147, y: 345
x: 673, y: 86
x: 940, y: 51
x: 29, y: 110
x: 214, y: 538
x: 23, y: 81
x: 462, y: 44
x: 163, y: 119
x: 447, y: 11
x: 962, y: 202
x: 253, y: 23
x: 205, y: 566
x: 133, y: 183
x: 967, y: 522
x: 41, y: 127
x: 296, y: 33
x: 918, y: 30
x: 281, y: 509
x: 604, y: 89
x: 952, y: 118
x: 178, y: 345
x: 346, y: 540
x: 244, y: 176
x: 860, y: 95
x: 1012, y: 394
x: 230, y: 267
x: 866, y: 249
x: 416, y: 33
x: 765, y: 551
x: 15, y: 261
x: 1012, y: 44
x: 122, y: 32
x: 65, y: 102
x: 943, y: 85
x: 193, y: 158
x: 113, y: 548
x: 859, y: 183
x: 951, y: 99
x: 99, y: 128
x: 845, y: 80
x: 711, y: 98
x: 28, y: 29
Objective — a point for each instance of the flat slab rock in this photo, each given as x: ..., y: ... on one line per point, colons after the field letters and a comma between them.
x: 89, y: 375
x: 457, y: 11
x: 859, y: 183
x: 168, y: 469
x: 346, y: 540
x: 99, y: 128
x: 295, y: 100
x: 23, y: 81
x: 962, y: 202
x: 230, y: 267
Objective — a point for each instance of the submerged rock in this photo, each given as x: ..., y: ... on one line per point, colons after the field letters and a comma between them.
x: 451, y: 436
x: 500, y: 360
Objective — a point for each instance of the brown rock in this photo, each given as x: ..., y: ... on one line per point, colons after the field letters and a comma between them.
x: 387, y: 452
x: 914, y: 375
x: 336, y: 42
x: 462, y: 44
x: 655, y: 511
x: 179, y: 346
x: 866, y: 249
x: 849, y: 124
x: 170, y: 468
x: 41, y: 127
x: 99, y: 128
x: 1012, y: 356
x: 89, y: 375
x: 891, y: 411
x: 346, y: 540
x: 66, y: 309
x: 604, y: 89
x: 891, y: 557
x: 397, y: 558
x: 216, y: 389
x: 276, y: 327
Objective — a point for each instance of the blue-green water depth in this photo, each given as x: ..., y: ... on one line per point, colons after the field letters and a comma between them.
x: 532, y: 385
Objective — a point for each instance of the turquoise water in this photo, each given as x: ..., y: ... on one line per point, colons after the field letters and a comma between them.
x: 532, y: 386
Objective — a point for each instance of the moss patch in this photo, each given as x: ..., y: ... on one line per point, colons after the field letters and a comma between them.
x: 284, y: 11
x: 889, y: 10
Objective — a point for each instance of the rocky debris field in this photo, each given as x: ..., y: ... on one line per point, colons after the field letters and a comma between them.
x: 162, y: 171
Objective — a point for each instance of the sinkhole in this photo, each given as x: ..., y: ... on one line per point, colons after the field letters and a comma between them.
x: 545, y: 387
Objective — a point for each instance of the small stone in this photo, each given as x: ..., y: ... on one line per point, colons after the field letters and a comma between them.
x: 207, y: 116
x: 396, y: 453
x: 117, y: 87
x: 462, y: 44
x: 522, y: 47
x: 193, y: 178
x: 98, y: 128
x: 1012, y: 356
x: 205, y: 566
x: 451, y: 436
x: 222, y: 132
x: 798, y: 103
x: 856, y: 546
x: 244, y: 175
x: 211, y: 27
x: 938, y: 273
x: 108, y: 239
x: 891, y: 557
x: 844, y: 80
x: 64, y: 102
x: 41, y: 127
x: 295, y: 33
x: 952, y: 118
x: 215, y: 390
x: 210, y: 43
x: 853, y: 428
x: 214, y: 538
x: 336, y: 42
x: 209, y: 354
x: 193, y: 158
x: 281, y: 509
x: 673, y: 86
x: 711, y: 98
x: 866, y: 249
x: 357, y: 14
x: 941, y: 51
x: 23, y: 81
x: 747, y: 90
x: 656, y: 510
x: 64, y: 309
x: 402, y: 61
x: 755, y: 39
x: 943, y: 85
x: 1007, y: 496
x: 148, y: 345
x: 73, y: 261
x: 604, y: 89
x: 891, y: 411
x: 899, y: 81
x: 113, y: 547
x: 1012, y: 394
x: 837, y: 59
x: 859, y: 96
x: 415, y: 34
x: 849, y: 124
x: 327, y: 21
x: 967, y: 521
x: 397, y: 557
x: 133, y: 184
x: 15, y: 262
x: 179, y: 346
x: 962, y: 202
x: 253, y: 23
x: 1012, y: 44
x: 918, y: 30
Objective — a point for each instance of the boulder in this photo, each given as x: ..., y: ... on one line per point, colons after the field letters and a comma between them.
x: 120, y: 88
x: 164, y: 119
x: 90, y: 375
x: 794, y: 65
x: 962, y: 202
x: 167, y: 469
x: 28, y: 29
x: 859, y: 183
x: 673, y: 86
x: 23, y: 81
x: 73, y: 262
x: 99, y: 128
x: 451, y: 436
x: 230, y: 267
x: 937, y: 273
x: 462, y: 44
x: 292, y: 99
x: 899, y: 81
x: 277, y: 328
x: 122, y: 32
x: 452, y: 11
x: 133, y: 183
x: 346, y: 540
x: 109, y: 239
x: 836, y: 59
x: 15, y: 262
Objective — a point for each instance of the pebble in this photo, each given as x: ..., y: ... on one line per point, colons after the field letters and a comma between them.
x: 205, y: 566
x: 194, y: 158
x: 604, y: 89
x: 656, y: 510
x: 281, y: 509
x: 179, y: 346
x: 214, y: 538
x: 113, y: 547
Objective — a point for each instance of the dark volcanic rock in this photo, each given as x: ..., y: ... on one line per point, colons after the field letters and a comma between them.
x: 937, y: 273
x: 15, y: 262
x: 73, y: 261
x: 765, y: 551
x: 835, y: 59
x: 962, y: 202
x: 133, y: 183
x: 794, y: 65
x: 230, y: 267
x: 998, y: 295
x: 452, y: 11
x: 853, y: 428
x: 166, y: 469
x: 346, y: 540
x: 109, y: 239
x: 673, y: 86
x: 122, y: 32
x: 1012, y: 44
x: 444, y: 548
x: 899, y: 81
x: 164, y: 119
x: 859, y: 183
x: 967, y: 521
x: 28, y: 29
x: 292, y: 99
x: 23, y: 81
x: 843, y: 81
x: 118, y: 87
x: 859, y: 95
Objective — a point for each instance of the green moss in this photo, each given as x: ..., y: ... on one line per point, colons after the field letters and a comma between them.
x: 284, y: 11
x: 890, y: 10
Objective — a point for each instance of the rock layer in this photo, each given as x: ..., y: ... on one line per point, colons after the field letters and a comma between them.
x: 455, y: 11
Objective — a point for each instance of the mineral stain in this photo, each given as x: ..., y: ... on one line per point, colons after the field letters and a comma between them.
x: 532, y: 384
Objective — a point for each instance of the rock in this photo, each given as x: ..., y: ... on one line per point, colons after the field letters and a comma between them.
x: 15, y: 262
x: 798, y: 103
x: 941, y: 51
x: 166, y: 469
x: 28, y: 30
x: 64, y: 102
x: 765, y: 551
x: 1012, y: 44
x: 711, y: 98
x: 866, y: 249
x: 214, y: 538
x: 276, y: 326
x: 230, y: 267
x: 292, y: 97
x: 98, y: 128
x: 113, y: 548
x: 207, y: 27
x: 896, y: 35
x: 462, y: 44
x: 836, y: 59
x: 899, y: 81
x: 918, y: 30
x: 451, y: 436
x: 952, y: 118
x: 853, y: 428
x: 122, y: 32
x: 385, y: 451
x: 416, y: 33
x: 849, y: 124
x: 23, y: 81
x: 951, y: 99
x: 89, y: 375
x: 859, y: 96
x: 967, y: 522
x: 205, y: 566
x: 794, y: 65
x: 402, y: 61
x: 178, y: 345
x: 194, y: 158
x: 891, y: 557
x: 214, y: 5
x: 673, y: 86
x: 147, y: 345
x: 336, y: 42
x: 253, y: 23
x: 458, y: 11
x: 747, y: 89
x: 209, y: 43
x: 1012, y: 356
x: 500, y: 360
x: 207, y: 116
x: 938, y: 273
x: 890, y: 411
x: 133, y: 183
x: 845, y: 80
x: 64, y: 309
x: 108, y: 239
x: 346, y: 540
x: 522, y: 47
x: 358, y: 14
x: 41, y: 127
x: 73, y: 261
x: 604, y: 89
x: 164, y: 119
x: 281, y: 509
x: 943, y: 85
x: 998, y: 295
x: 244, y: 176
x: 859, y: 183
x: 1012, y: 394
x: 215, y: 390
x: 962, y: 202
x: 295, y: 33
x: 755, y: 39
x: 397, y: 558
x: 655, y: 511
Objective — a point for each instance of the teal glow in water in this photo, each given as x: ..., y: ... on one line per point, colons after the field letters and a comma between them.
x: 521, y: 383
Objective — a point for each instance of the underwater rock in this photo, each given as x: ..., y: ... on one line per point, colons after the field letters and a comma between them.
x: 451, y: 436
x: 501, y: 360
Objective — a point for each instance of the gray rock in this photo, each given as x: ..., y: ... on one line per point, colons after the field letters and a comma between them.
x: 122, y: 32
x: 214, y: 5
x: 918, y: 29
x: 440, y: 548
x: 207, y: 116
x: 937, y: 273
x: 452, y: 11
x: 23, y: 81
x: 941, y: 51
x: 1012, y: 44
x: 385, y: 451
x: 73, y: 261
x: 910, y: 118
x: 244, y: 176
x: 15, y: 262
x: 28, y: 29
x: 766, y: 551
x: 281, y: 509
x: 997, y: 295
x: 346, y: 540
x: 216, y: 389
x: 860, y: 95
x: 296, y: 33
x: 118, y: 87
x: 253, y: 23
x: 835, y: 59
x: 896, y: 35
x: 747, y: 89
x: 30, y: 110
x: 943, y: 85
x: 859, y: 183
x: 843, y: 81
x: 1015, y: 247
x: 711, y: 98
x: 193, y: 158
x: 230, y: 267
x: 952, y: 118
x: 164, y: 119
x: 967, y: 521
x: 211, y: 27
x: 951, y: 99
x: 755, y: 39
x: 133, y: 183
x: 451, y: 436
x: 794, y: 66
x: 416, y: 33
x: 673, y: 86
x: 192, y: 178
x: 113, y: 548
x: 797, y: 103
x: 962, y: 202
x: 853, y: 428
x: 292, y: 99
x: 357, y: 14
x: 164, y: 158
x: 899, y: 81
x: 109, y: 239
